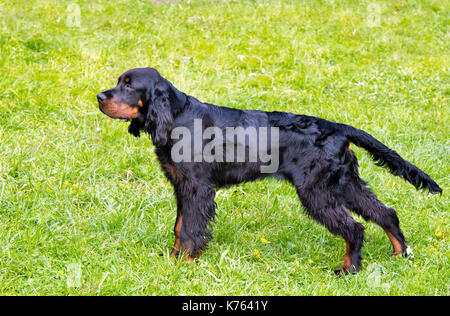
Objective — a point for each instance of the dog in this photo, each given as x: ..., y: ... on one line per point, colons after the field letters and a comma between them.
x: 314, y: 155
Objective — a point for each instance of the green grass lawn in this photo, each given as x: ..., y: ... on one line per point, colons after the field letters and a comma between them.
x: 85, y: 208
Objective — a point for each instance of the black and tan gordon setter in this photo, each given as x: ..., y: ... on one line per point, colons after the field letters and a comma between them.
x: 313, y: 154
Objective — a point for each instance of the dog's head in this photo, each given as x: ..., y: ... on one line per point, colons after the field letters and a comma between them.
x: 146, y: 99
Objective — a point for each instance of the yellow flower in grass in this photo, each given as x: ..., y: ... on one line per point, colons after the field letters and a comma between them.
x: 257, y: 254
x: 264, y: 240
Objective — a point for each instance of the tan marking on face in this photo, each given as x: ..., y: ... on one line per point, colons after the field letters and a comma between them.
x: 140, y: 104
x: 115, y: 109
x: 127, y: 79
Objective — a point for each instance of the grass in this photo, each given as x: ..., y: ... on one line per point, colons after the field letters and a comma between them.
x: 77, y: 193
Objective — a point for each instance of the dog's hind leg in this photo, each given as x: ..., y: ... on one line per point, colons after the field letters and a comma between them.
x: 324, y: 208
x: 360, y: 199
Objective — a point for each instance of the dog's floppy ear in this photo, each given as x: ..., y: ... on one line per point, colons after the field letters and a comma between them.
x: 165, y: 103
x: 159, y: 120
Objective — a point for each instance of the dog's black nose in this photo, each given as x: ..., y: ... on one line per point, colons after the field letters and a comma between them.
x: 101, y: 97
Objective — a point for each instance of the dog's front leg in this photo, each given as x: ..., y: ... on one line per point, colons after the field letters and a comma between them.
x: 176, y: 246
x: 196, y: 207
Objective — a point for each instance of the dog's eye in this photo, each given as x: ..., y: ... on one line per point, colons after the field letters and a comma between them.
x: 128, y: 86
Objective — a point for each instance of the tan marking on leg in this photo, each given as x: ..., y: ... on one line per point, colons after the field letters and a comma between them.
x: 395, y: 243
x: 191, y: 259
x: 347, y: 260
x: 172, y: 172
x: 176, y: 245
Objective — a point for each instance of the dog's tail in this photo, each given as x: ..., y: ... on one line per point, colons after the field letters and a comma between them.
x: 386, y: 157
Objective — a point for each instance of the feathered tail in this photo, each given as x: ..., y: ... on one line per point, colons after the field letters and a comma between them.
x: 386, y: 157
